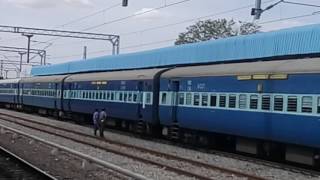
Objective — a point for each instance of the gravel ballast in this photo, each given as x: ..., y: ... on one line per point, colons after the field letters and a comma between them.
x: 154, y: 172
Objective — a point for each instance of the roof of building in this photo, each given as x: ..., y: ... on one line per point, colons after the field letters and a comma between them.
x: 301, y: 41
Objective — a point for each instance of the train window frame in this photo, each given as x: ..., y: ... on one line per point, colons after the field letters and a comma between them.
x: 266, y: 102
x: 181, y: 98
x: 292, y: 103
x: 125, y: 96
x: 196, y: 99
x: 148, y: 98
x: 275, y: 107
x: 108, y: 95
x: 232, y: 101
x: 306, y: 107
x: 104, y: 95
x: 130, y: 96
x: 164, y: 98
x: 243, y: 101
x: 204, y: 99
x: 222, y: 100
x: 189, y: 98
x: 318, y: 105
x: 120, y: 96
x: 254, y: 101
x: 135, y: 97
x: 213, y: 100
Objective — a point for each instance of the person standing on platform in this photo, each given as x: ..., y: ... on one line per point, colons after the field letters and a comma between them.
x: 95, y: 119
x: 103, y: 119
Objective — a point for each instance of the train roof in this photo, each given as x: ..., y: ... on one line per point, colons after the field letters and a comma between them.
x: 39, y: 79
x: 115, y: 75
x: 308, y: 65
x: 9, y: 81
x: 294, y: 42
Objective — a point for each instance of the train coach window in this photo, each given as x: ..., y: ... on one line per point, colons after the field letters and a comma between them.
x: 243, y: 101
x: 108, y: 95
x: 111, y: 96
x: 164, y: 98
x: 188, y: 99
x: 265, y: 102
x: 222, y: 101
x: 232, y: 100
x: 121, y: 96
x: 196, y: 99
x: 117, y: 96
x: 104, y: 95
x: 292, y: 104
x: 278, y: 103
x: 253, y: 102
x: 306, y: 104
x: 129, y: 96
x: 204, y: 100
x: 213, y: 100
x: 318, y: 105
x: 148, y: 98
x: 181, y: 98
x: 125, y: 96
x: 135, y: 97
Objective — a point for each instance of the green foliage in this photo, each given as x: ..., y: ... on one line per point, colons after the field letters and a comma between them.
x: 216, y: 29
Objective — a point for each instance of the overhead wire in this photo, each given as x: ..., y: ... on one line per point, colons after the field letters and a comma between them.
x: 301, y: 4
x: 136, y: 14
x: 290, y: 18
x: 180, y: 22
x: 90, y: 15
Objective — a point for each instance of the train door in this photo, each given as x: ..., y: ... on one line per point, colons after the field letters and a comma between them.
x: 174, y: 132
x: 140, y: 100
x: 174, y: 100
x: 55, y: 99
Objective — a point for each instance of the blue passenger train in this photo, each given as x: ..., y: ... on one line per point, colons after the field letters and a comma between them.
x: 266, y: 108
x: 256, y: 94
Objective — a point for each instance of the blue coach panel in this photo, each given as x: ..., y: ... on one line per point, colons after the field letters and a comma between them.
x: 301, y: 41
x: 125, y: 94
x: 9, y: 89
x: 44, y: 91
x: 271, y: 100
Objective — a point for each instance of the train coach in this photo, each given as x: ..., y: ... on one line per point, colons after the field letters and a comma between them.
x: 9, y: 90
x: 130, y: 97
x: 269, y: 108
x: 42, y: 94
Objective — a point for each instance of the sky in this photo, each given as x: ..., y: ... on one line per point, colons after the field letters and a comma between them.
x: 143, y: 25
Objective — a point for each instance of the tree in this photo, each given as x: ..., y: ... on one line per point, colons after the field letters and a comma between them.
x: 216, y: 29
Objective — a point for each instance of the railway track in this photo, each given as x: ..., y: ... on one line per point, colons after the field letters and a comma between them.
x: 180, y: 165
x: 118, y: 171
x: 14, y: 167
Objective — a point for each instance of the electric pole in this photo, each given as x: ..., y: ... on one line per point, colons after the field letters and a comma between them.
x: 257, y: 11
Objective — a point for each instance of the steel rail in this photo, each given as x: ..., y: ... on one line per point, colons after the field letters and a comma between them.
x: 142, y: 149
x: 84, y: 156
x: 28, y: 164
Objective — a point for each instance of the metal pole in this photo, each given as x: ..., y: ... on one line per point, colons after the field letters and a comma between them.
x: 45, y: 57
x: 85, y: 52
x: 6, y: 76
x: 28, y: 51
x: 258, y: 10
x: 118, y: 46
x: 1, y: 69
x: 113, y: 48
x: 21, y: 57
x: 41, y: 59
